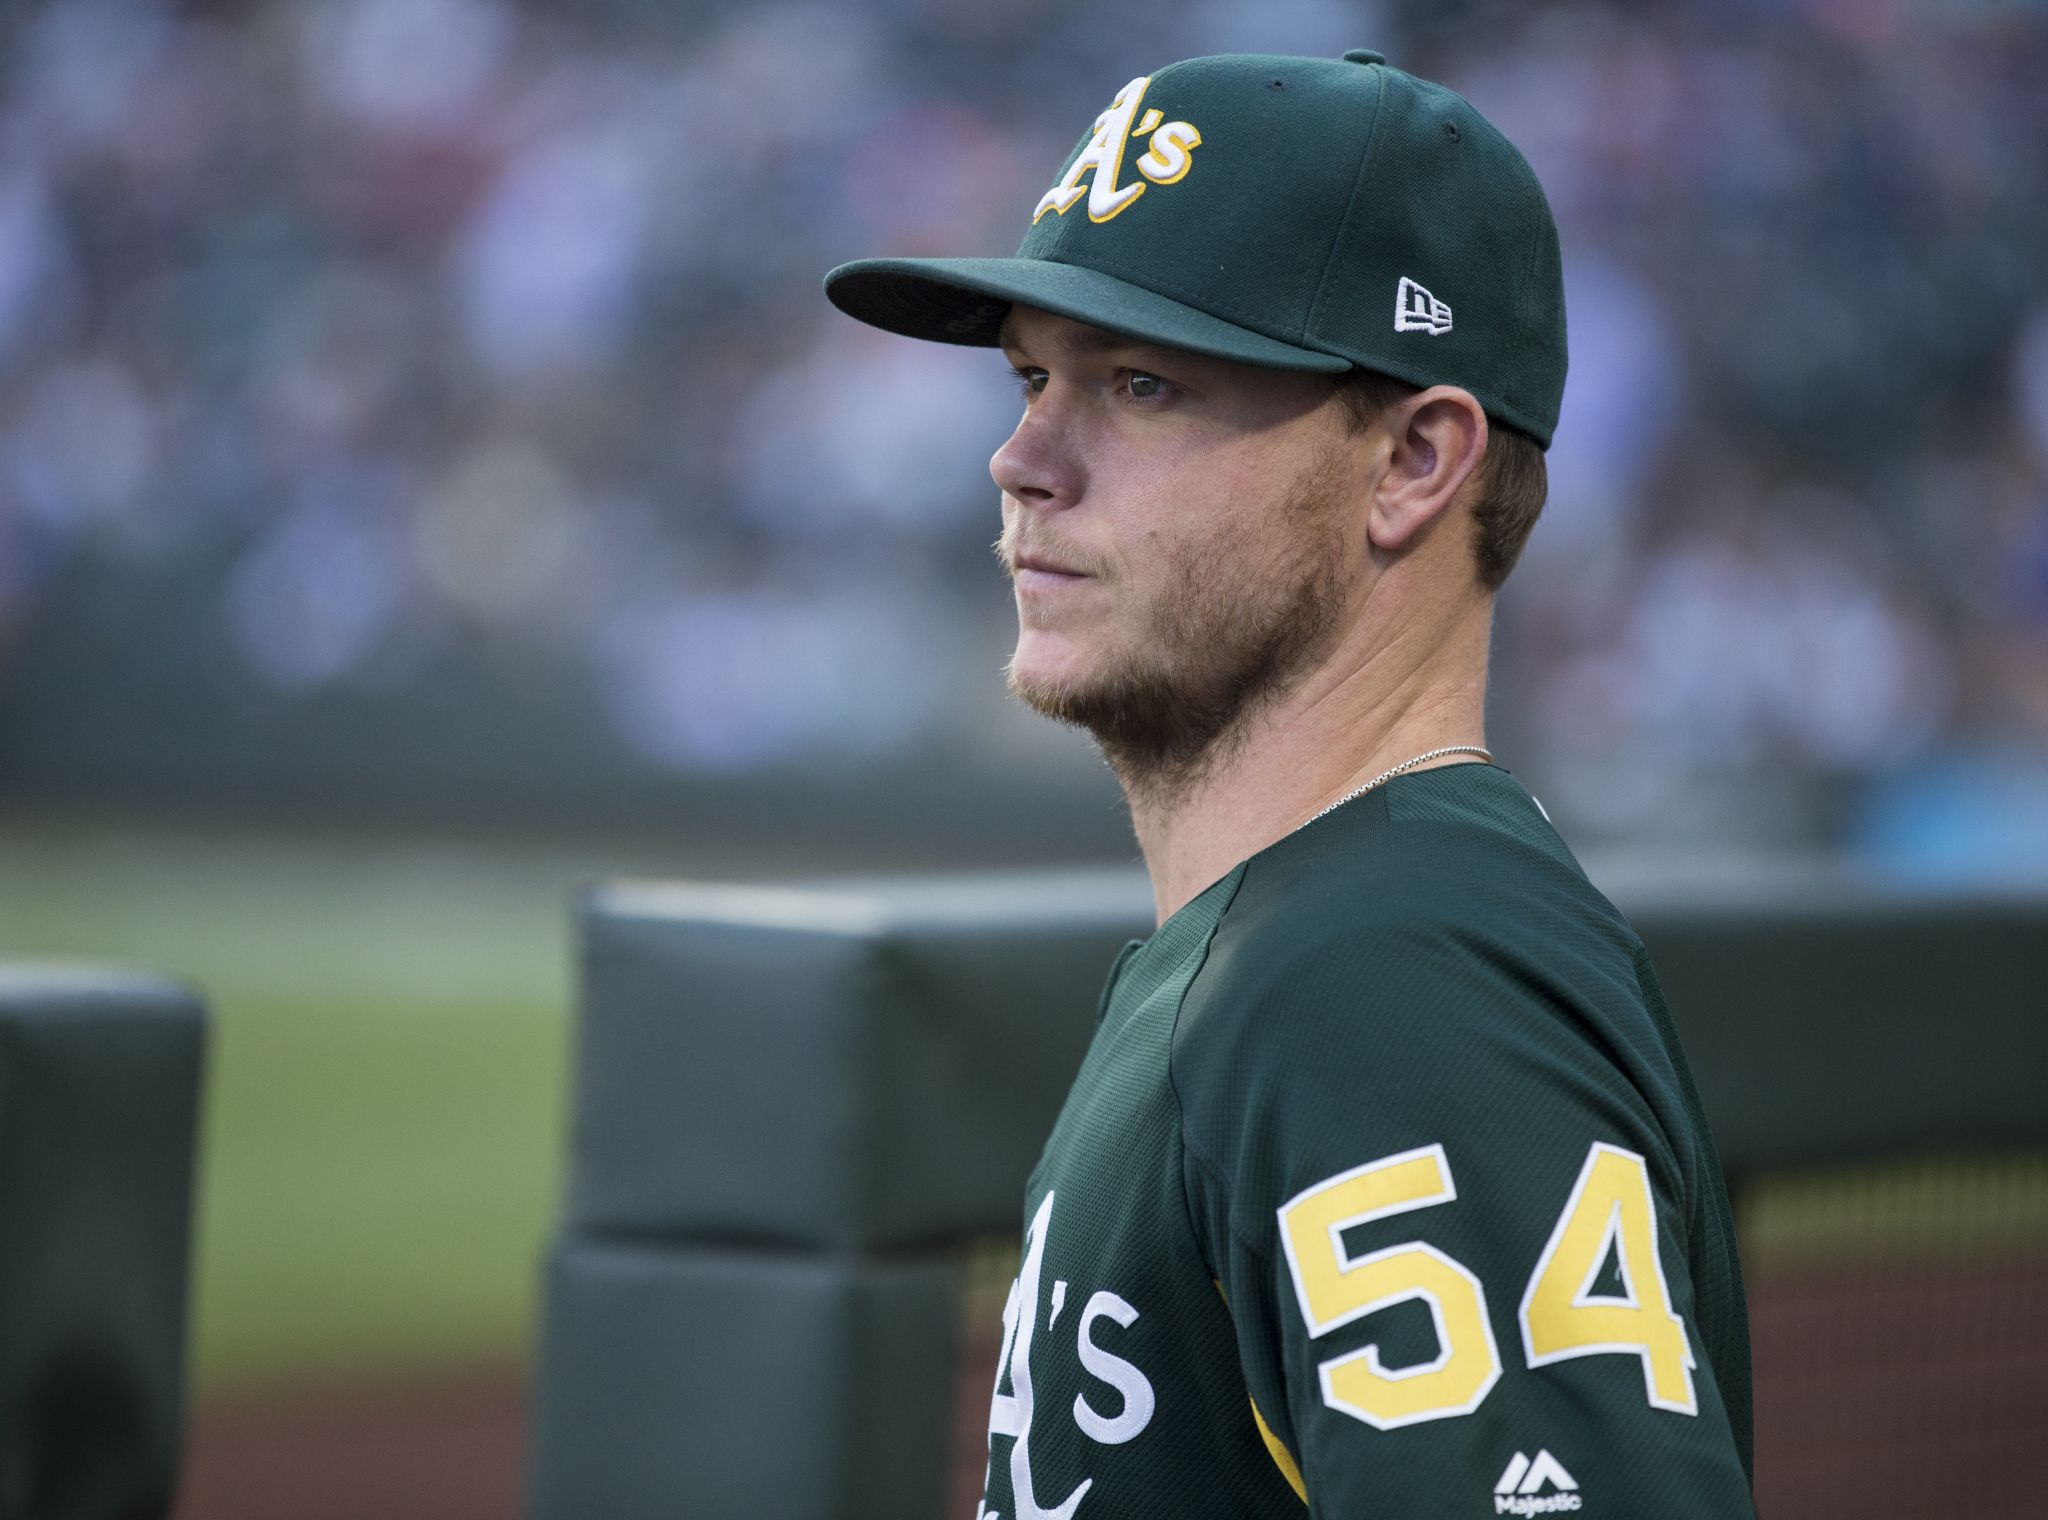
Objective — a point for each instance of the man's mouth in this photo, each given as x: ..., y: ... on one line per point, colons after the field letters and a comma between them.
x: 1034, y: 565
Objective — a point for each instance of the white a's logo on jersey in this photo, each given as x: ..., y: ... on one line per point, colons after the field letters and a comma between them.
x: 1010, y: 1414
x: 1521, y: 1485
x: 1165, y: 161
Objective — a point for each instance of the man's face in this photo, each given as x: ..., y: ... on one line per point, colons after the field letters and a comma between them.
x: 1184, y: 533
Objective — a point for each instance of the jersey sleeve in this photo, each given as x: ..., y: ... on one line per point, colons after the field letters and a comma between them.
x: 1448, y: 1188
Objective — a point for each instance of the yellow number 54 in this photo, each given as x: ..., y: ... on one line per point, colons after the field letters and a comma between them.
x: 1609, y: 1213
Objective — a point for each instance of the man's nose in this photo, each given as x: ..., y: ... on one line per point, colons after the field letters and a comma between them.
x: 1036, y: 464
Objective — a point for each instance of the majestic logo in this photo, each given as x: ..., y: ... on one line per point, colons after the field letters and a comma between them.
x: 1416, y: 310
x: 1521, y: 1485
x: 1011, y: 1414
x: 1171, y: 153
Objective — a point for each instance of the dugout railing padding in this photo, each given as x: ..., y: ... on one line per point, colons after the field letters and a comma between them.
x: 792, y: 1106
x: 100, y: 1075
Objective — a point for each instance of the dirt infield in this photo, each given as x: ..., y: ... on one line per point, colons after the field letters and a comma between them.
x: 443, y: 1451
x: 1901, y: 1392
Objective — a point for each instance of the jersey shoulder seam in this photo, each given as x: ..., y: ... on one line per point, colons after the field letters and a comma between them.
x: 1180, y: 1113
x: 1180, y: 1109
x: 1222, y: 1183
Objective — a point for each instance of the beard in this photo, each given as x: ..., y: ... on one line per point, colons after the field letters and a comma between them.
x: 1229, y: 634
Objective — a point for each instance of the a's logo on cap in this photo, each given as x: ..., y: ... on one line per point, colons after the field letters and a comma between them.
x: 1416, y: 310
x: 1171, y: 153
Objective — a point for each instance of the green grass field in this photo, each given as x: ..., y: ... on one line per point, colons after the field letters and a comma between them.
x: 382, y: 1127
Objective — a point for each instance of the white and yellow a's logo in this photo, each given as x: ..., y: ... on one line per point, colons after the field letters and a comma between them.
x: 1168, y: 157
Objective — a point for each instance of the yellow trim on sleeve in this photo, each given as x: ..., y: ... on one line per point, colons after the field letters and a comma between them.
x: 1282, y: 1457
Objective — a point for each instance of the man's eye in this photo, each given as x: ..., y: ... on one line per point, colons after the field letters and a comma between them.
x: 1030, y: 379
x: 1145, y: 387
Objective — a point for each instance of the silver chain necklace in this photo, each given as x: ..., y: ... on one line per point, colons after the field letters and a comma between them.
x: 1448, y: 749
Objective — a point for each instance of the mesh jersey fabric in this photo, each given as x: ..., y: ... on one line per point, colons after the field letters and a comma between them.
x: 1417, y: 999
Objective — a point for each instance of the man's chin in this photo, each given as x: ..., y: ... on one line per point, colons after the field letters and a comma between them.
x: 1049, y: 670
x: 1152, y: 731
x: 1065, y: 695
x: 1124, y: 708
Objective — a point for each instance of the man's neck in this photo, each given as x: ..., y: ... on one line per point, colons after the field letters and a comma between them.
x: 1345, y: 724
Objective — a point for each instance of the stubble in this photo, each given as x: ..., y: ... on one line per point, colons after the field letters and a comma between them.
x: 1232, y: 630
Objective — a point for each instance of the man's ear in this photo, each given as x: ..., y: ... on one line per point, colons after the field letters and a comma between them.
x: 1436, y: 440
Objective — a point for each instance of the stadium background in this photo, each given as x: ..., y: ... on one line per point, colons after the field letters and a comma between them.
x: 430, y: 479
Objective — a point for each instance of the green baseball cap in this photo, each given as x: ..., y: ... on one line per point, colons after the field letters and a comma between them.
x: 1300, y: 213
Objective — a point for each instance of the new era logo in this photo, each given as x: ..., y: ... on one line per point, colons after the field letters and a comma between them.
x: 1416, y: 310
x: 1520, y: 1489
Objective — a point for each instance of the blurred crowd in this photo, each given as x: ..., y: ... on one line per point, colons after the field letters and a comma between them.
x: 369, y: 351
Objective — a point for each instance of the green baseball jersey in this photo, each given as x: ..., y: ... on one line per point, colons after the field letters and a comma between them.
x: 1383, y: 1191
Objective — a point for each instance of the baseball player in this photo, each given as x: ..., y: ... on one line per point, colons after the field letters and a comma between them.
x: 1383, y: 1189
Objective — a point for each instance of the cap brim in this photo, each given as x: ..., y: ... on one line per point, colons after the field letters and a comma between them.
x: 965, y: 301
